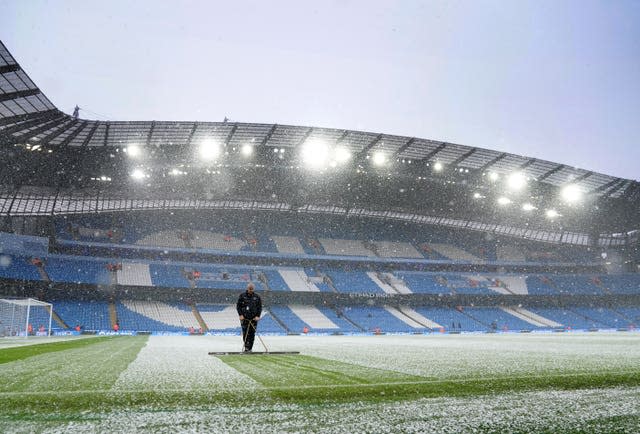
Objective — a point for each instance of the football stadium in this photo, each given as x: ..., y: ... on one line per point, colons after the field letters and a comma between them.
x: 407, y: 284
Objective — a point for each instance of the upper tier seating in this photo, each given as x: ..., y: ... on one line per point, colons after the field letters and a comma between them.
x: 18, y: 267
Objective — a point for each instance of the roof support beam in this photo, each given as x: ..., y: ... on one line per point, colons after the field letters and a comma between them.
x: 191, y: 134
x: 527, y: 164
x: 463, y: 157
x: 434, y: 152
x: 19, y: 94
x: 26, y: 125
x: 148, y: 141
x: 304, y: 138
x: 343, y: 136
x: 556, y: 169
x: 490, y: 163
x: 44, y: 127
x: 106, y: 133
x: 87, y: 139
x: 230, y: 135
x: 616, y: 187
x: 48, y: 114
x: 74, y: 134
x: 581, y: 178
x: 605, y: 187
x: 52, y: 135
x: 404, y: 147
x: 269, y: 134
x: 9, y: 68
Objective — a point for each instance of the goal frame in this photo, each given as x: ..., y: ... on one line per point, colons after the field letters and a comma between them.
x: 18, y: 324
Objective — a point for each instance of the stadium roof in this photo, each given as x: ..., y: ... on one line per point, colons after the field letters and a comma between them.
x: 28, y: 118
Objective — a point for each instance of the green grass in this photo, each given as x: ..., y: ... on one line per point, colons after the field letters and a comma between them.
x: 53, y: 384
x: 25, y: 351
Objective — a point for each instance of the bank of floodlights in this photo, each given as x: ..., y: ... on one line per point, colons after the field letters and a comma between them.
x: 138, y: 174
x: 516, y: 181
x: 571, y: 193
x: 209, y: 150
x: 133, y: 151
x: 379, y: 158
x: 552, y: 213
x: 246, y: 150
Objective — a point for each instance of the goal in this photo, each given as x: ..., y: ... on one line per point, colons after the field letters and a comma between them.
x: 25, y: 317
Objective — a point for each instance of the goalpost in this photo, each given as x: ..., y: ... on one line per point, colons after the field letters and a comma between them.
x: 25, y: 317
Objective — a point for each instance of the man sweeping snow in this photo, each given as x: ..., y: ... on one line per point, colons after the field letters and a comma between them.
x: 249, y: 308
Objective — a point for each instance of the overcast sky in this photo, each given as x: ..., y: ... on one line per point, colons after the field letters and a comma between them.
x: 555, y: 80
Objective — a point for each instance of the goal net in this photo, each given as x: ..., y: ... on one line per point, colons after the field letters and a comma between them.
x: 25, y: 317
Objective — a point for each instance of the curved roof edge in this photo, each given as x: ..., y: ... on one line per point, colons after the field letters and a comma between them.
x: 28, y: 117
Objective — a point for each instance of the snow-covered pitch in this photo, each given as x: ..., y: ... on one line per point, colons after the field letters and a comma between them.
x: 582, y: 382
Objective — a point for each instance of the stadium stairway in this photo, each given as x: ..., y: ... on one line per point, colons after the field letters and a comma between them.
x: 57, y: 318
x: 530, y: 317
x: 342, y: 315
x: 198, y: 317
x: 467, y: 314
x: 402, y: 316
x: 419, y: 318
x: 113, y: 313
x: 281, y: 323
x: 383, y: 282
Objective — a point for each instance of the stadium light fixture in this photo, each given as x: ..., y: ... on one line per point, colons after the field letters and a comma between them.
x: 571, y: 193
x: 516, y: 181
x: 504, y: 201
x: 379, y: 158
x: 209, y: 150
x: 493, y: 176
x: 138, y: 174
x: 342, y: 154
x: 437, y: 166
x: 552, y: 213
x: 477, y: 195
x: 315, y: 154
x: 528, y: 207
x: 247, y: 150
x: 133, y: 151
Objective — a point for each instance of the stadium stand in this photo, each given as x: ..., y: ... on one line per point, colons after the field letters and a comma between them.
x: 359, y: 251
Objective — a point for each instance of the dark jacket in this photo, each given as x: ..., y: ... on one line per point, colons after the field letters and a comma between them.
x: 249, y: 306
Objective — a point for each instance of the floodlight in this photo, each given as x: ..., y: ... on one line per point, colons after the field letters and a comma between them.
x: 379, y: 158
x: 209, y: 150
x: 133, y: 150
x: 437, y: 166
x: 477, y: 195
x: 516, y: 181
x: 138, y: 174
x: 493, y: 176
x: 552, y: 213
x: 246, y: 150
x: 504, y: 201
x: 571, y: 193
x: 315, y: 153
x: 342, y: 154
x: 528, y: 207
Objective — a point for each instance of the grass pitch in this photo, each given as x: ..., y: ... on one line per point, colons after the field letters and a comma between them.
x: 467, y: 383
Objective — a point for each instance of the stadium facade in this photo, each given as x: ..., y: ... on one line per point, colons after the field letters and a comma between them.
x: 344, y: 231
